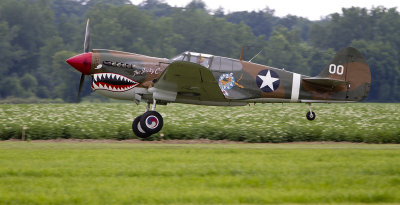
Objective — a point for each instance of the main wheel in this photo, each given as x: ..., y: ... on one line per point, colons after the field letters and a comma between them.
x: 151, y: 122
x: 137, y: 129
x: 310, y: 115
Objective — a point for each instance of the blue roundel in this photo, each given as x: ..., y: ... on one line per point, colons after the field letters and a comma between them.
x: 267, y: 80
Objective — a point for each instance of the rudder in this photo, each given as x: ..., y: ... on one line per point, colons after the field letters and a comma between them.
x: 349, y: 65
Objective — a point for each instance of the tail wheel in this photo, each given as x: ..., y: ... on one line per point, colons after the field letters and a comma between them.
x: 151, y: 122
x: 137, y: 129
x: 310, y: 115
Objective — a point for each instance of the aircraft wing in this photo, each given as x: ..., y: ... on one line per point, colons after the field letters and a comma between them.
x: 187, y: 80
x: 325, y: 81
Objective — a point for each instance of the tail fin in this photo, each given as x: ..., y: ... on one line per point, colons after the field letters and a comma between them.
x: 348, y: 73
x: 350, y: 66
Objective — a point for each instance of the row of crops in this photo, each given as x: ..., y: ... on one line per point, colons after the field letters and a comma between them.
x: 358, y: 122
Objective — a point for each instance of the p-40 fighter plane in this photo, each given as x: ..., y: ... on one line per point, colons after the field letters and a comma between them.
x: 204, y: 79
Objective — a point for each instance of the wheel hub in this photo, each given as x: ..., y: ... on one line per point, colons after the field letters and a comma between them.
x: 152, y: 121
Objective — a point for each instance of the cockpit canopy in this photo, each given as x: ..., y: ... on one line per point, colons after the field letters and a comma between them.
x: 199, y: 58
x: 214, y: 63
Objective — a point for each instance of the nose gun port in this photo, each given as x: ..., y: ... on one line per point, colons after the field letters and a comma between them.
x: 81, y: 62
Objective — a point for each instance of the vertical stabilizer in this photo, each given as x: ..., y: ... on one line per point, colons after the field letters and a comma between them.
x: 350, y: 66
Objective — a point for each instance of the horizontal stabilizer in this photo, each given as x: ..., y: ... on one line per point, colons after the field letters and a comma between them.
x: 325, y: 81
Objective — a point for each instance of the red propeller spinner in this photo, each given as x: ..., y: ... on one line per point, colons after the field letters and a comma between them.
x: 81, y: 62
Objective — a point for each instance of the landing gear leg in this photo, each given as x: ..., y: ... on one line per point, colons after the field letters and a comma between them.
x: 154, y: 105
x: 148, y: 106
x: 149, y: 123
x: 310, y: 114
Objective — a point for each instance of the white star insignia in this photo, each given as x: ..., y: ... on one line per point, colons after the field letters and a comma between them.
x: 267, y: 81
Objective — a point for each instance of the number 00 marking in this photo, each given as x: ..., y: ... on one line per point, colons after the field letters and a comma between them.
x: 336, y: 69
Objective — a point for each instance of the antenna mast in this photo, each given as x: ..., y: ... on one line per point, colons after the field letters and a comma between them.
x: 256, y: 55
x: 241, y: 53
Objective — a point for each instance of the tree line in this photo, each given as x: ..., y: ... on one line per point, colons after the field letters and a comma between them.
x: 36, y: 36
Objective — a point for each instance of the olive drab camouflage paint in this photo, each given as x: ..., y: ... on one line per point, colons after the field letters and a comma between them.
x: 205, y: 79
x: 194, y: 77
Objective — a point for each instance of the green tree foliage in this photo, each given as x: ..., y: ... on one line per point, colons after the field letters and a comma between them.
x: 34, y: 20
x: 264, y: 22
x: 353, y: 24
x: 68, y: 8
x: 36, y: 36
x: 63, y: 78
x: 376, y: 33
x: 157, y: 8
x: 284, y: 50
x: 202, y: 32
x: 9, y: 54
x: 10, y: 86
x: 384, y: 63
x: 261, y: 22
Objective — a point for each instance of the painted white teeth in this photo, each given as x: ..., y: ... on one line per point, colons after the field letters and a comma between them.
x: 111, y: 76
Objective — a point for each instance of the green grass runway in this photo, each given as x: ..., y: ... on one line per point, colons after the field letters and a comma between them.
x: 124, y: 173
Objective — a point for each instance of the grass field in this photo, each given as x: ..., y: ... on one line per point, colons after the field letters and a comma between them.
x: 124, y: 173
x: 360, y: 122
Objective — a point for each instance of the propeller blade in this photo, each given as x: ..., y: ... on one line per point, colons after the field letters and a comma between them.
x: 87, y: 38
x: 80, y: 86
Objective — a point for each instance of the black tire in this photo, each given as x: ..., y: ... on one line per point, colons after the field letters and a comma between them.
x: 310, y: 116
x: 151, y: 122
x: 137, y: 130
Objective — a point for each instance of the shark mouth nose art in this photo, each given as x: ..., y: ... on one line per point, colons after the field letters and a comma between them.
x: 112, y: 82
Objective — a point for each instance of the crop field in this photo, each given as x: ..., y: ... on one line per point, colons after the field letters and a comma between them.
x: 126, y: 173
x: 359, y: 122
